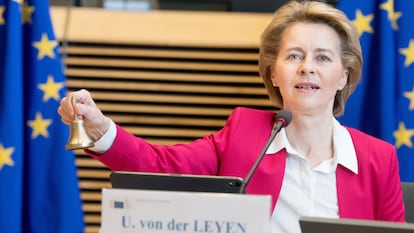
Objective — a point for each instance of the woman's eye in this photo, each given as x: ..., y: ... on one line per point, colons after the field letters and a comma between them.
x: 323, y: 58
x: 293, y: 57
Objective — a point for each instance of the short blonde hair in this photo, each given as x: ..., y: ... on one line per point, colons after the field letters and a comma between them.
x: 313, y: 12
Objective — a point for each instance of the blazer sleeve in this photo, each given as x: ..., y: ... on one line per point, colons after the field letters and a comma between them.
x: 211, y: 155
x: 392, y: 204
x: 375, y: 193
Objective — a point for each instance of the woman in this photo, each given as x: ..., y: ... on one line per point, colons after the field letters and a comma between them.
x: 310, y: 61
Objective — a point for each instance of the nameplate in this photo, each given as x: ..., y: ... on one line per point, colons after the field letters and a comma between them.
x: 133, y: 211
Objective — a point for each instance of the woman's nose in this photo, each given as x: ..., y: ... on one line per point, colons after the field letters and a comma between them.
x: 307, y: 66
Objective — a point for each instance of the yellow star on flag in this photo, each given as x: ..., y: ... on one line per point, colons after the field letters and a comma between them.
x: 50, y: 89
x: 410, y: 96
x: 1, y: 15
x: 409, y: 54
x: 403, y: 136
x: 39, y: 126
x: 45, y: 47
x: 5, y: 156
x: 393, y: 16
x: 362, y: 22
x: 27, y: 13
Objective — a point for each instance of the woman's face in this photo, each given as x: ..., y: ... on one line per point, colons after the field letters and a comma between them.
x: 308, y: 69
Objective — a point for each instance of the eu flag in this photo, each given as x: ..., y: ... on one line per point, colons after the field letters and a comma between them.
x: 383, y: 103
x: 38, y: 182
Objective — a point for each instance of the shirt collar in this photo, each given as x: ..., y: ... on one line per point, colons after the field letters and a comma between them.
x: 344, y: 151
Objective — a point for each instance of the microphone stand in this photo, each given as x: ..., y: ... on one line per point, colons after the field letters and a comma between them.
x: 278, y: 126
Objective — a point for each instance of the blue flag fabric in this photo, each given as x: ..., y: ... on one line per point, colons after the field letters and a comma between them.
x: 39, y: 189
x: 383, y: 103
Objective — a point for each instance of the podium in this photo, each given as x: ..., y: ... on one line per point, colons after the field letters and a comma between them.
x: 152, y: 211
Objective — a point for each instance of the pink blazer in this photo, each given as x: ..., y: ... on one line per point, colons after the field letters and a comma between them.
x: 375, y: 193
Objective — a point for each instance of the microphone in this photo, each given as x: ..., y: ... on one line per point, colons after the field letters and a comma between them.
x: 282, y: 119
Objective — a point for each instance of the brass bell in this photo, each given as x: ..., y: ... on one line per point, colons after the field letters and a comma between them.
x: 78, y: 138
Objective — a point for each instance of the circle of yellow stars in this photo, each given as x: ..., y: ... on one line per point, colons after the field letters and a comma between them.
x: 363, y: 24
x: 50, y: 88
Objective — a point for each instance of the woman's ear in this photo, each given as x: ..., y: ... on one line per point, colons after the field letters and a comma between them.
x: 343, y: 80
x: 273, y: 76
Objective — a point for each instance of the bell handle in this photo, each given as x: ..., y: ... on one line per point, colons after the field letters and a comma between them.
x: 73, y: 101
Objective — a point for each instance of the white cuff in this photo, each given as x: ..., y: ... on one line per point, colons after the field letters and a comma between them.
x: 106, y: 141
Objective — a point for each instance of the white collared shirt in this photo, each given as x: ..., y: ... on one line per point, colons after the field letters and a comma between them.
x: 310, y: 192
